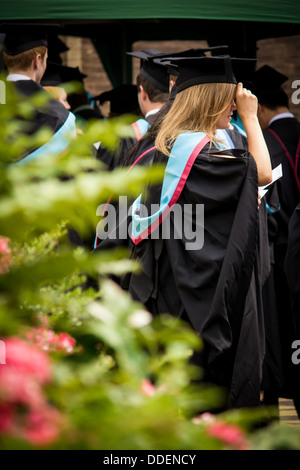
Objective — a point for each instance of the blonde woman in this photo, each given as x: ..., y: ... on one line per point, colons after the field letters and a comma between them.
x: 196, y: 237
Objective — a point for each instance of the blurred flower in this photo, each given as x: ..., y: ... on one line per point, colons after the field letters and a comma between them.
x: 24, y: 410
x: 5, y: 255
x: 26, y: 360
x: 39, y: 426
x: 6, y: 418
x: 229, y: 434
x: 139, y: 318
x: 66, y: 342
x: 50, y: 341
x: 101, y: 313
x: 16, y: 386
x: 42, y: 425
x: 204, y: 418
x: 148, y: 388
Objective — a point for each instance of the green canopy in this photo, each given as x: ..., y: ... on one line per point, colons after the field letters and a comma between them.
x: 284, y: 11
x: 114, y: 25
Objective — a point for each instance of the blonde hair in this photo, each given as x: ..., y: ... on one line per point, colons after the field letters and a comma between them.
x: 195, y: 109
x: 57, y: 92
x: 23, y: 60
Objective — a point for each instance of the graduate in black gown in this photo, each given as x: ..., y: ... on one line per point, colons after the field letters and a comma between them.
x: 155, y: 67
x: 211, y: 282
x: 281, y: 131
x: 25, y: 56
x: 291, y: 266
x: 292, y: 263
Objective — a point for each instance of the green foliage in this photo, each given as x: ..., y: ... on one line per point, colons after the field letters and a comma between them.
x: 277, y: 437
x: 130, y: 382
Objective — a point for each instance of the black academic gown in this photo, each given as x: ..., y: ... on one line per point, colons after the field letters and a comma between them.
x: 292, y: 263
x: 292, y: 266
x: 279, y: 377
x: 112, y: 160
x: 137, y: 153
x: 115, y: 159
x: 54, y: 115
x: 288, y: 130
x: 159, y: 286
x: 213, y: 288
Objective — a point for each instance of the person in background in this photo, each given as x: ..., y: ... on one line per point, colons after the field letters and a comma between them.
x: 291, y: 267
x: 59, y: 94
x: 152, y: 93
x: 281, y: 131
x: 25, y: 57
x: 121, y: 100
x: 62, y: 75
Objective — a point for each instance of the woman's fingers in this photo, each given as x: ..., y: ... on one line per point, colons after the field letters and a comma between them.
x: 240, y: 89
x: 246, y: 102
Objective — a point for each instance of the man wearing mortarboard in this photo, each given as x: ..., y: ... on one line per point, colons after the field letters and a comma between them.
x: 281, y: 131
x: 25, y: 56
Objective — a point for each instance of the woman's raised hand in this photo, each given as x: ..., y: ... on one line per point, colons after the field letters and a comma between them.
x: 246, y: 102
x: 247, y: 105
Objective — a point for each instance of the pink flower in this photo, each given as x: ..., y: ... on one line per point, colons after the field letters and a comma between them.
x: 5, y: 255
x: 229, y: 434
x: 48, y: 340
x: 24, y: 410
x: 4, y: 248
x: 39, y: 426
x: 148, y: 388
x: 45, y: 339
x: 17, y: 387
x: 66, y: 342
x: 26, y: 360
x: 43, y: 426
x: 6, y: 418
x: 204, y: 418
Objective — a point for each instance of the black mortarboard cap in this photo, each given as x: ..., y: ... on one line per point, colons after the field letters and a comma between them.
x: 123, y: 99
x: 243, y: 69
x: 56, y: 74
x: 267, y: 80
x: 55, y: 47
x: 21, y: 37
x: 203, y: 69
x: 164, y: 59
x: 173, y: 93
x: 157, y: 74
